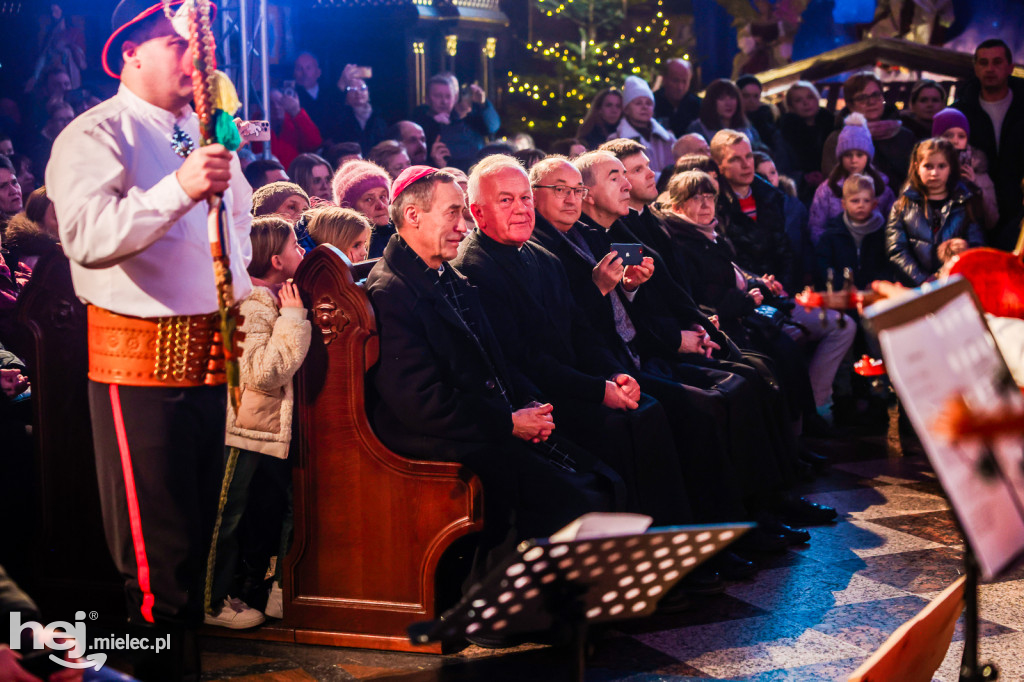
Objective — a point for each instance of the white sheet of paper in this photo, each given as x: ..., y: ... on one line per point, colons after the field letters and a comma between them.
x: 931, y: 360
x: 603, y: 524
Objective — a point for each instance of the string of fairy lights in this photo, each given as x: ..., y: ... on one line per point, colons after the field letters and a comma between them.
x: 582, y: 68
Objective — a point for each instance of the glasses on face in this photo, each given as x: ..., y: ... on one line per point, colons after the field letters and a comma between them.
x: 873, y: 97
x: 562, y: 190
x: 356, y: 88
x: 702, y: 199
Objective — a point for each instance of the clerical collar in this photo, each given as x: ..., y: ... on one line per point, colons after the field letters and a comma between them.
x: 484, y: 235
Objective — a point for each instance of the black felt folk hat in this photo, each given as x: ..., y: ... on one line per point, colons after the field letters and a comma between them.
x: 127, y: 14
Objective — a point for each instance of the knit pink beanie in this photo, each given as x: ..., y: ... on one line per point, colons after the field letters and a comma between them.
x: 356, y: 178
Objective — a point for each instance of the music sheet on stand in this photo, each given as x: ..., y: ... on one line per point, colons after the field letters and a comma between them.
x: 937, y: 357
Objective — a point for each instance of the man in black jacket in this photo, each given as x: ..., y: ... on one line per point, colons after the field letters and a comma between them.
x: 462, y: 127
x: 324, y: 104
x: 751, y: 211
x: 807, y: 378
x: 994, y: 99
x: 442, y: 389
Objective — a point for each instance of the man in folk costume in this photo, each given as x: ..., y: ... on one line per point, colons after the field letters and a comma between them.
x: 131, y: 184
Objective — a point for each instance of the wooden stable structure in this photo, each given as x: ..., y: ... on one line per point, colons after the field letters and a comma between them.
x: 377, y: 535
x: 865, y: 55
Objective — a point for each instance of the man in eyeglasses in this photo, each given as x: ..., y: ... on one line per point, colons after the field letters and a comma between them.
x: 679, y: 356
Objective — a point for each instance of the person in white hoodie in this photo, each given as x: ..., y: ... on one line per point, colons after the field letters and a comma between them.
x: 638, y: 123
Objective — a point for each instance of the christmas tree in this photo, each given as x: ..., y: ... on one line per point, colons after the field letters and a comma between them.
x: 610, y: 39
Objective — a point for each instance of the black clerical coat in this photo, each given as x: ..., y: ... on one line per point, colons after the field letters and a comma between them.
x: 539, y: 327
x: 701, y: 402
x: 439, y: 384
x: 664, y: 303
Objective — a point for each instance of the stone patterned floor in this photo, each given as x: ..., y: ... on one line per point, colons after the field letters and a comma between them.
x: 812, y: 613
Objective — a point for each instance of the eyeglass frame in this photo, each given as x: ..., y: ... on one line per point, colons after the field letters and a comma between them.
x: 559, y: 190
x: 711, y: 198
x: 356, y: 88
x: 864, y: 99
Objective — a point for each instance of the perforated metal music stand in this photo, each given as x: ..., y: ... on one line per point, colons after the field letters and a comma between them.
x: 568, y: 585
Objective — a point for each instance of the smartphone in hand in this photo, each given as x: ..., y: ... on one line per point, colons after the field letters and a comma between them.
x: 255, y: 131
x: 631, y: 254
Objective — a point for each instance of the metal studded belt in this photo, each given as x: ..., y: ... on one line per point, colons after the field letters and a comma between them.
x: 179, y: 351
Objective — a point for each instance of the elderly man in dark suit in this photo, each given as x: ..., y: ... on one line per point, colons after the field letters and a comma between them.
x: 442, y: 389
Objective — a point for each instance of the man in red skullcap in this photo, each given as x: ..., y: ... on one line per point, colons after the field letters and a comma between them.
x: 129, y: 183
x: 445, y: 392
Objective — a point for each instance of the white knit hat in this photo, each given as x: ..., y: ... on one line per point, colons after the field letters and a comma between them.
x: 634, y: 87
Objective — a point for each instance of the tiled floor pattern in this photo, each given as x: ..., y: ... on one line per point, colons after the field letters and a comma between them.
x: 812, y: 613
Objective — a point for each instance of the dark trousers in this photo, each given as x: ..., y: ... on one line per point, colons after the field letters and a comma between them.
x: 526, y: 496
x: 159, y: 461
x: 639, y: 446
x: 699, y: 418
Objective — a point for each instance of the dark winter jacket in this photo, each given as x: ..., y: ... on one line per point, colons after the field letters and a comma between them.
x: 712, y: 277
x: 762, y: 246
x: 837, y: 250
x: 912, y: 241
x: 464, y: 136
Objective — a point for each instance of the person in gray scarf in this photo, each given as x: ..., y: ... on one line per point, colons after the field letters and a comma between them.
x: 854, y: 239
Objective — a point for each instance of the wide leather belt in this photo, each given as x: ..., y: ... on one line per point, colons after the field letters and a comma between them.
x: 180, y: 351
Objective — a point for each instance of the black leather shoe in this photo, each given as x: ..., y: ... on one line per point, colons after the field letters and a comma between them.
x: 804, y: 512
x: 818, y: 462
x: 675, y: 600
x: 734, y: 567
x: 793, y: 536
x: 703, y: 580
x: 760, y: 540
x: 804, y: 471
x: 493, y: 641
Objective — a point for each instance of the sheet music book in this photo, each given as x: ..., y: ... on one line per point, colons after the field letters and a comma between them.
x: 937, y: 346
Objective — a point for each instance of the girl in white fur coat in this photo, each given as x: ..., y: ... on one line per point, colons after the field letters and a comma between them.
x: 277, y: 336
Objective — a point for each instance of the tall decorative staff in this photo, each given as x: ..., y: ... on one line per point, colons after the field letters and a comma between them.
x: 215, y: 102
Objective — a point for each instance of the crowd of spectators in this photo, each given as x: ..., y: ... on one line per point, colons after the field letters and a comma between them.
x: 698, y: 346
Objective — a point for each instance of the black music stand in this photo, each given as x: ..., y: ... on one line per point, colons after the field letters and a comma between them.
x: 567, y: 585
